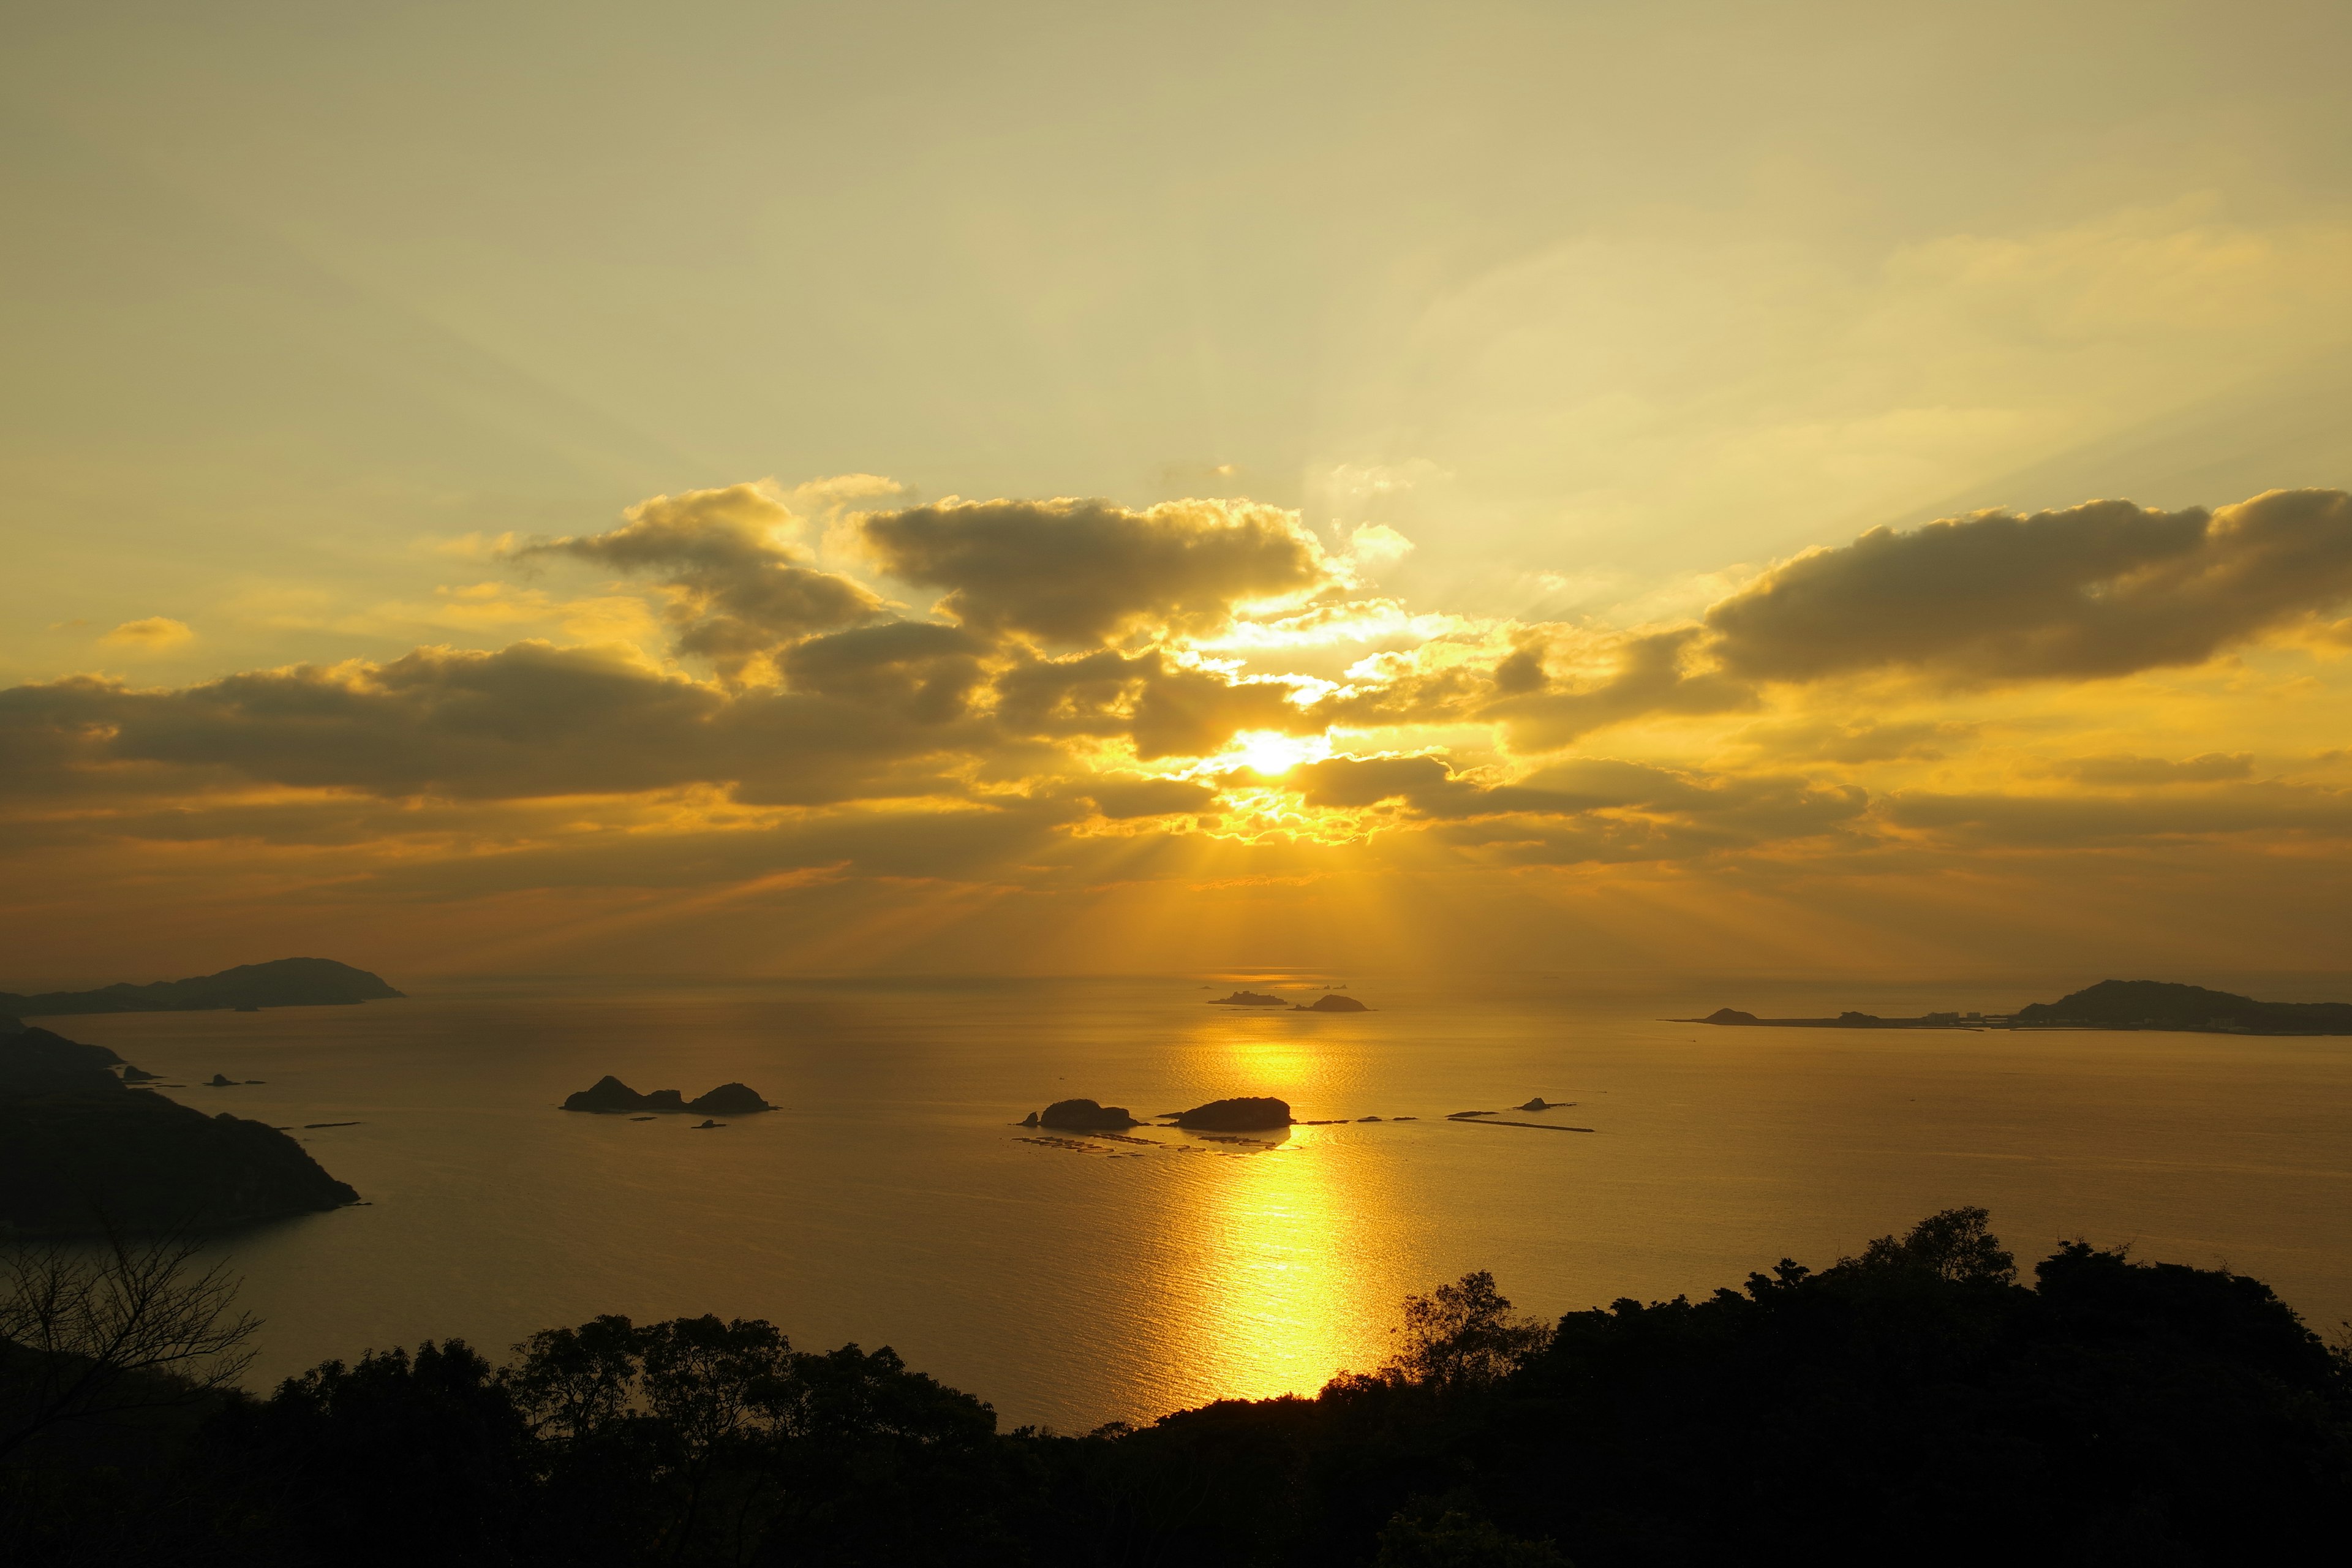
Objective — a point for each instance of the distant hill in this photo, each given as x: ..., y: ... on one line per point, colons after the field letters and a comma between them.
x: 2160, y: 1005
x: 281, y: 983
x: 2109, y: 1004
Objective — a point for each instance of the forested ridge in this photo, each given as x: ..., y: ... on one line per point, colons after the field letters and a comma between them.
x: 1913, y: 1403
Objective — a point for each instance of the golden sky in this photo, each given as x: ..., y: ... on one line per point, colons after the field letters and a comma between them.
x: 774, y: 488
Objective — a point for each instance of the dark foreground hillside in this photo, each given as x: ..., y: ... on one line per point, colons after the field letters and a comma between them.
x: 1914, y: 1405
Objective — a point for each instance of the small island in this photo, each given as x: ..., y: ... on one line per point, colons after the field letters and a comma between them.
x: 1331, y: 1003
x: 1248, y: 999
x: 281, y: 983
x: 1083, y: 1116
x: 1241, y: 1115
x: 2110, y: 1004
x: 610, y: 1097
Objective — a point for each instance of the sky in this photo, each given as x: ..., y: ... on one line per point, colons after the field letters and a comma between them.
x: 793, y: 489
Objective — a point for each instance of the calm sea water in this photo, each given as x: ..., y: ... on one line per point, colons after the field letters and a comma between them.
x: 891, y: 1202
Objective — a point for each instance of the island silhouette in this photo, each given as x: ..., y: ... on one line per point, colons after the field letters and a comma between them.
x: 248, y: 987
x: 608, y: 1096
x: 1243, y: 1114
x: 1082, y: 1115
x: 1247, y: 999
x: 2109, y: 1004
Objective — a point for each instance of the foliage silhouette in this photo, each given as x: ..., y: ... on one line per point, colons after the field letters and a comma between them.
x: 1914, y: 1402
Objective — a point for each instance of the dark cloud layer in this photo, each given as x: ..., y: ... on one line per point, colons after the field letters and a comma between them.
x: 2101, y: 589
x: 1076, y: 572
x: 529, y: 720
x: 1003, y: 743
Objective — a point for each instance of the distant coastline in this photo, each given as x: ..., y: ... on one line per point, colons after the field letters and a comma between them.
x: 2110, y: 1004
x: 248, y: 987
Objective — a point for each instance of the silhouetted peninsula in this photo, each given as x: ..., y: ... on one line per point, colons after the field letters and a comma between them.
x: 281, y: 983
x: 34, y: 1061
x: 609, y: 1097
x: 1238, y: 999
x: 1332, y: 1002
x: 2160, y: 1005
x: 1086, y: 1116
x: 79, y: 1151
x: 1240, y: 1115
x: 2109, y: 1004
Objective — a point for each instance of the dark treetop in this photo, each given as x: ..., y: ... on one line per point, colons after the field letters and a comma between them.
x: 281, y: 983
x: 1916, y: 1404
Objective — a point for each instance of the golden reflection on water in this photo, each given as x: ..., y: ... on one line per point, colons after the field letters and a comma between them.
x: 1276, y: 1311
x: 1289, y: 1236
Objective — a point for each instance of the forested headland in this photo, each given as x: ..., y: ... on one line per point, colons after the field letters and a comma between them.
x: 1919, y: 1402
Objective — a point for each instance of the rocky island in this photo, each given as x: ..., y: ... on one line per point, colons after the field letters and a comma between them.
x: 1247, y: 999
x: 1083, y: 1116
x: 1243, y: 1115
x: 81, y: 1153
x: 2109, y: 1004
x: 281, y: 983
x: 1332, y: 1002
x: 609, y: 1097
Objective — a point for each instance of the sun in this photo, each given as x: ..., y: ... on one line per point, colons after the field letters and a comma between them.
x: 1272, y: 753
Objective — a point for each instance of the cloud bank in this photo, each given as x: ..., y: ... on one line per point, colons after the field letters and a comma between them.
x: 1095, y: 700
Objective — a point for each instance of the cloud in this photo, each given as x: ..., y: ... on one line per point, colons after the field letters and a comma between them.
x: 528, y: 720
x: 2084, y: 821
x: 1090, y: 571
x: 1167, y: 708
x: 1067, y: 722
x: 2102, y: 589
x: 153, y: 634
x: 738, y: 592
x: 1652, y: 675
x: 2125, y: 770
x: 1622, y: 809
x: 1858, y: 741
x: 1122, y: 799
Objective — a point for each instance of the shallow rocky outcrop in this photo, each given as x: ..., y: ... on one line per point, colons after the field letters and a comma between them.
x: 1086, y: 1116
x: 1239, y: 1115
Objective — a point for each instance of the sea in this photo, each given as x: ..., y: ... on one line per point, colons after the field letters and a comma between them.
x: 892, y: 1198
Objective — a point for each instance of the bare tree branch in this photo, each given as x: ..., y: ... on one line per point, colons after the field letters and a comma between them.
x: 126, y: 1325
